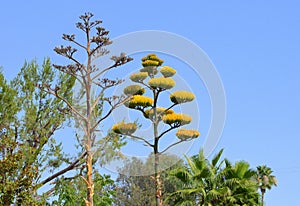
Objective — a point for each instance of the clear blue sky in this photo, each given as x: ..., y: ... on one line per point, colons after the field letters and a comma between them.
x: 253, y: 44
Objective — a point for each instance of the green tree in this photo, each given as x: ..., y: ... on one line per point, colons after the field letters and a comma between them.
x: 29, y: 119
x: 148, y: 106
x: 240, y: 180
x: 134, y: 189
x: 71, y: 191
x: 208, y: 183
x: 265, y: 180
x: 92, y: 113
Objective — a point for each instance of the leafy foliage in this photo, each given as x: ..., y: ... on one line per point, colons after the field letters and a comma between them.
x: 133, y: 189
x: 29, y: 118
x: 215, y: 182
x: 72, y: 191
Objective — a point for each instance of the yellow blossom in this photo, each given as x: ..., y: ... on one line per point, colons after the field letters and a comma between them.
x: 162, y: 83
x: 124, y: 128
x: 149, y: 62
x: 185, y: 134
x: 159, y: 111
x: 138, y: 77
x: 152, y: 57
x: 176, y: 119
x: 138, y: 100
x: 180, y: 97
x: 167, y: 71
x: 134, y: 90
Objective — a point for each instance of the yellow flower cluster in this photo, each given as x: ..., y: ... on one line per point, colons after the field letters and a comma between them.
x: 149, y: 62
x: 138, y: 77
x: 152, y: 58
x: 159, y: 111
x: 180, y: 97
x: 167, y: 71
x: 134, y: 90
x: 124, y: 128
x: 185, y: 134
x: 161, y: 82
x: 174, y: 118
x: 138, y: 100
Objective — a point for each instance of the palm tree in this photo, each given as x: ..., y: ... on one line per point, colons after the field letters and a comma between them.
x: 208, y: 183
x: 199, y: 180
x: 265, y: 180
x: 240, y: 181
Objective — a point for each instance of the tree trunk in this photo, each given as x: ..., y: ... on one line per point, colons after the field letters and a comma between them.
x: 262, y: 196
x: 158, y: 183
x: 90, y: 183
x: 89, y: 160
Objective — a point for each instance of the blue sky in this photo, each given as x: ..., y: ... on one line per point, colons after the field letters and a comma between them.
x: 254, y: 46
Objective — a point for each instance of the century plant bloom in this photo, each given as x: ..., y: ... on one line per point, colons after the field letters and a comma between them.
x: 159, y: 111
x: 153, y: 57
x: 149, y: 62
x: 162, y: 83
x: 138, y: 100
x: 184, y: 134
x: 134, y: 90
x: 174, y: 118
x: 167, y: 71
x: 180, y: 97
x: 139, y: 77
x: 124, y: 128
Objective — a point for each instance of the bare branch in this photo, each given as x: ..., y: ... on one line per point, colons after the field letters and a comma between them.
x: 146, y: 85
x: 111, y: 101
x: 168, y: 130
x: 103, y: 71
x: 140, y: 138
x: 171, y: 145
x: 71, y: 38
x: 71, y: 70
x: 122, y: 59
x: 55, y: 93
x: 162, y: 113
x: 70, y: 167
x: 106, y: 83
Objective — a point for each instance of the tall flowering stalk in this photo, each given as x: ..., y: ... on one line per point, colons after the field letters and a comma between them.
x: 156, y: 78
x: 88, y: 75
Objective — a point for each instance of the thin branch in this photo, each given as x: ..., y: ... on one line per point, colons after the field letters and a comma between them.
x: 70, y: 167
x: 67, y: 102
x: 63, y: 69
x: 104, y: 117
x: 104, y: 70
x: 77, y: 43
x: 143, y: 111
x: 171, y: 145
x: 97, y: 100
x: 140, y: 138
x: 73, y: 59
x: 122, y: 59
x: 168, y: 130
x: 162, y: 113
x: 109, y: 112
